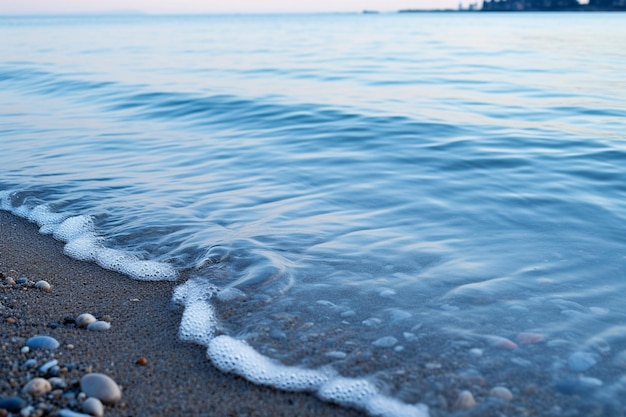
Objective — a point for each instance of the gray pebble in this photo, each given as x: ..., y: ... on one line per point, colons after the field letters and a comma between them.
x: 348, y: 313
x: 37, y: 387
x: 85, y: 320
x: 278, y: 334
x: 101, y: 387
x: 29, y: 363
x: 57, y: 382
x: 501, y: 392
x: 336, y: 354
x: 581, y: 361
x: 93, y: 406
x: 385, y: 342
x: 42, y: 342
x: 99, y: 325
x: 21, y: 280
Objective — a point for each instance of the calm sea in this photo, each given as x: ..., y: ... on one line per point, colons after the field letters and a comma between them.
x: 372, y: 192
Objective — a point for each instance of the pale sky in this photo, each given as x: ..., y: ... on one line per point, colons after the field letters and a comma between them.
x: 220, y: 6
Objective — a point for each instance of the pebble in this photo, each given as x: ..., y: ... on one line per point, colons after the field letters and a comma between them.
x: 141, y: 361
x: 476, y: 352
x: 37, y: 387
x: 21, y: 280
x: 502, y: 393
x: 581, y: 361
x: 93, y: 406
x: 385, y: 342
x: 348, y: 313
x: 42, y: 342
x: 57, y: 382
x: 66, y: 412
x: 46, y: 366
x: 85, y: 320
x: 13, y: 404
x: 99, y: 325
x: 25, y: 349
x: 9, y: 281
x: 501, y: 342
x: 277, y: 334
x: 464, y: 400
x: 526, y: 338
x: 101, y: 387
x: 336, y: 354
x: 43, y: 285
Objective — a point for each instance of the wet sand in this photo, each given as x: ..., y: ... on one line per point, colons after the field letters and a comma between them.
x: 177, y: 380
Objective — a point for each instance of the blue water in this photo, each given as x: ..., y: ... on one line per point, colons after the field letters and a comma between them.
x: 448, y: 177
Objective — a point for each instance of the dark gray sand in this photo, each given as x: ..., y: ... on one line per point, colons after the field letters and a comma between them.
x: 177, y: 379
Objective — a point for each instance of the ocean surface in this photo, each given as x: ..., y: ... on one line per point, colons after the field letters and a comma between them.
x: 384, y: 195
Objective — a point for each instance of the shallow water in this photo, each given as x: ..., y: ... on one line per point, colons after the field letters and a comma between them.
x: 338, y: 180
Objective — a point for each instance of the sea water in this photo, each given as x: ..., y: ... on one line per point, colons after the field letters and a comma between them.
x: 351, y: 202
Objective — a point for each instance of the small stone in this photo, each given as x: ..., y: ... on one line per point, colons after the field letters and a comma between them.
x: 21, y: 280
x: 25, y: 349
x: 85, y: 320
x: 66, y: 412
x: 57, y: 382
x: 46, y: 366
x: 348, y: 313
x: 69, y: 346
x: 502, y: 393
x: 101, y: 387
x: 9, y: 281
x: 94, y: 407
x: 501, y: 342
x: 581, y: 361
x: 37, y: 387
x: 464, y: 400
x: 98, y: 326
x: 277, y: 334
x: 42, y: 342
x: 476, y: 352
x: 335, y: 354
x: 43, y: 286
x: 141, y: 361
x: 385, y: 342
x: 13, y: 404
x: 527, y: 338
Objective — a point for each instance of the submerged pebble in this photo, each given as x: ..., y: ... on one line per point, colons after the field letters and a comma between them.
x: 464, y: 400
x: 501, y: 392
x: 42, y: 342
x: 385, y: 342
x: 581, y: 361
x: 101, y: 387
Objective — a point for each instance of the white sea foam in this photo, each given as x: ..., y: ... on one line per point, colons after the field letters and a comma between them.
x: 238, y: 357
x: 82, y: 242
x: 74, y: 227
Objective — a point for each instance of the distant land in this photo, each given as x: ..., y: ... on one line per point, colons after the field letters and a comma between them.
x: 535, y: 6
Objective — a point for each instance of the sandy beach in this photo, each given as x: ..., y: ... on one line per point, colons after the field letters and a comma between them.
x: 177, y: 379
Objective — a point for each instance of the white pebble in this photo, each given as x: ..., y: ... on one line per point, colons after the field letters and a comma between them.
x: 37, y: 387
x: 43, y: 285
x: 97, y: 326
x: 464, y: 400
x: 25, y: 349
x: 85, y: 320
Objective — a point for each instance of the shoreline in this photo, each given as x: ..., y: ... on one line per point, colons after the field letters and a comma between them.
x: 177, y: 379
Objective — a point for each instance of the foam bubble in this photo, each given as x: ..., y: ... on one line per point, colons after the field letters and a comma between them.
x: 198, y: 322
x: 130, y: 265
x: 5, y: 200
x: 43, y: 216
x: 74, y: 227
x: 236, y: 356
x: 347, y: 391
x: 84, y: 248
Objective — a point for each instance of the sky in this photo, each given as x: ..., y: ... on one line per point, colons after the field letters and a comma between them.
x: 220, y: 6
